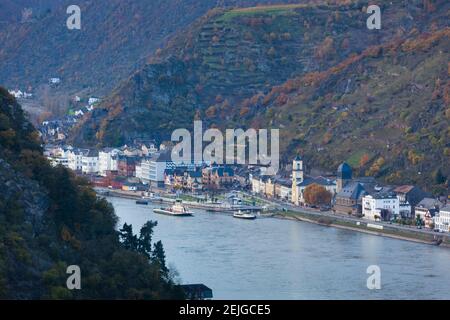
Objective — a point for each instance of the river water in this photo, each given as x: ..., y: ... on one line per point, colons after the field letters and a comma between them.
x: 281, y: 259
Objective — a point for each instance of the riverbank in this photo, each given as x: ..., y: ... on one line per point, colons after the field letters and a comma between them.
x: 390, y: 231
x: 366, y: 227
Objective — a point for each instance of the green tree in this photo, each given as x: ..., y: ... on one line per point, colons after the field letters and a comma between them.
x: 128, y: 239
x: 145, y: 238
x: 159, y: 257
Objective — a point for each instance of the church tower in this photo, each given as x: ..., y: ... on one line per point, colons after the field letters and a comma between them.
x: 297, y: 177
x: 344, y: 175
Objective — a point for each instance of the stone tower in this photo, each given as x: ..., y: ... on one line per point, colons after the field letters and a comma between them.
x: 297, y: 177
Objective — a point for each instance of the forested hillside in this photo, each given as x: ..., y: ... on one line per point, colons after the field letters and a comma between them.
x: 115, y: 39
x: 337, y: 91
x: 49, y: 219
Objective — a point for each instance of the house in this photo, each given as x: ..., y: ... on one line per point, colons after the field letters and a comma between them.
x: 93, y: 101
x: 283, y: 189
x: 220, y: 176
x: 442, y: 219
x: 138, y: 171
x: 194, y: 180
x: 269, y: 191
x: 59, y: 161
x: 258, y: 185
x: 75, y: 158
x: 380, y: 206
x: 426, y: 211
x: 409, y: 196
x: 55, y: 81
x: 175, y: 178
x: 126, y: 165
x: 107, y: 159
x: 89, y: 162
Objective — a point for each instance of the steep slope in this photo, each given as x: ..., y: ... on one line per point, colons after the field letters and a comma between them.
x: 228, y: 56
x: 337, y: 90
x: 50, y: 219
x: 385, y: 111
x: 13, y: 11
x: 115, y: 38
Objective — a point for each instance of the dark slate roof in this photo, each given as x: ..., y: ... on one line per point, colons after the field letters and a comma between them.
x: 353, y: 190
x: 345, y: 171
x: 92, y: 153
x: 412, y: 193
x: 429, y: 203
x: 284, y: 182
x: 318, y: 180
x: 324, y: 181
x: 446, y: 208
x: 306, y: 182
x: 298, y: 158
x: 384, y: 195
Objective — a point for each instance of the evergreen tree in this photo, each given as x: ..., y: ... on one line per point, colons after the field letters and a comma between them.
x: 145, y: 238
x: 159, y: 257
x: 128, y: 239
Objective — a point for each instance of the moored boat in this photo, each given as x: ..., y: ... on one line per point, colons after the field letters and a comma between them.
x: 244, y: 214
x: 177, y: 210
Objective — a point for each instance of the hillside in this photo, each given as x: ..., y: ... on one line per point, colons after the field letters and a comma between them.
x: 115, y: 39
x: 14, y: 11
x: 49, y: 219
x: 385, y: 111
x: 242, y: 67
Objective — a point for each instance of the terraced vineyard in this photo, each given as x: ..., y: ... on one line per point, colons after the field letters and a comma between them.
x: 300, y: 68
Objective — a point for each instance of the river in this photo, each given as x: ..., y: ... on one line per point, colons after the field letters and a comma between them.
x: 271, y: 258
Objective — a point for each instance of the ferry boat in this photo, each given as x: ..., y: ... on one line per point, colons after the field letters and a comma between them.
x: 245, y: 214
x: 177, y: 210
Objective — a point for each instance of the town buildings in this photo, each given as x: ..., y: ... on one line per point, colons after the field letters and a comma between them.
x: 89, y: 162
x: 442, y: 219
x: 426, y: 210
x: 380, y: 206
x: 409, y: 196
x: 108, y: 160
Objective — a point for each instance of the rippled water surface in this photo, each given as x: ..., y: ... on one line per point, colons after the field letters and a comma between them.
x: 281, y: 259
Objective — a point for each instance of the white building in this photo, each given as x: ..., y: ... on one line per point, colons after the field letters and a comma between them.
x: 107, y: 160
x: 75, y: 158
x: 442, y: 219
x: 55, y: 80
x: 93, y: 101
x: 138, y: 172
x: 152, y: 169
x: 380, y: 206
x: 90, y: 163
x: 57, y: 161
x: 256, y: 184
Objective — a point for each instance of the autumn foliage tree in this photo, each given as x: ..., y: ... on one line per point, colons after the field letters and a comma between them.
x: 317, y: 195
